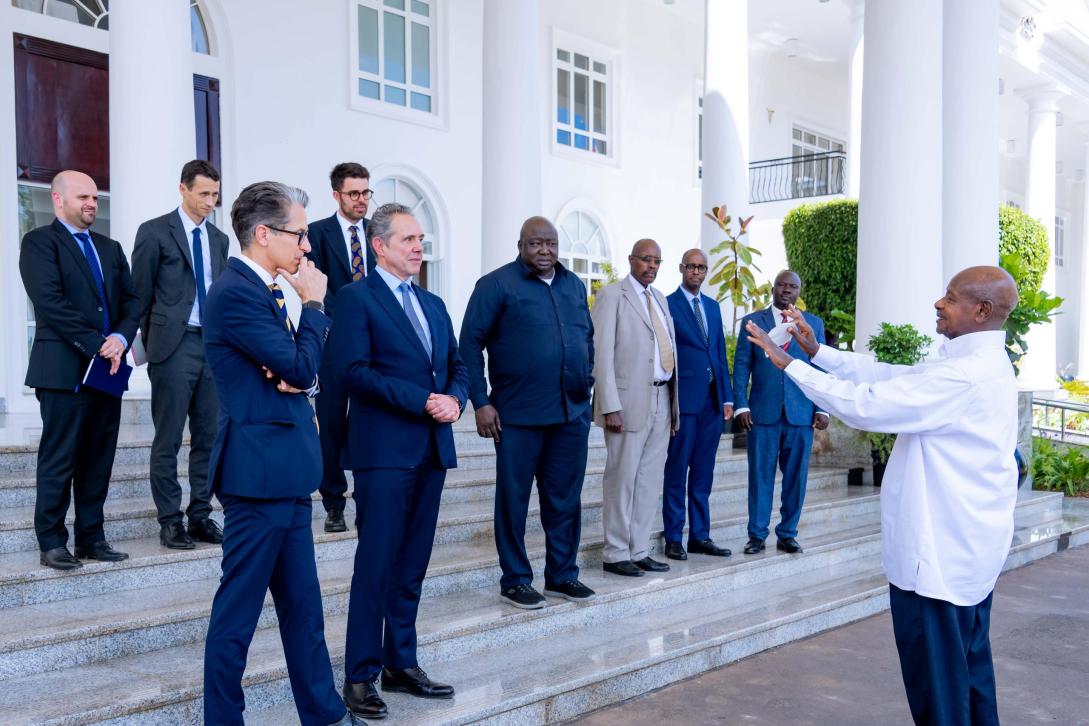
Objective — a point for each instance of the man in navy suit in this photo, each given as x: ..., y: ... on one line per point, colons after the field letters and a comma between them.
x: 266, y: 459
x: 396, y: 355
x: 338, y: 246
x: 780, y: 421
x: 707, y: 401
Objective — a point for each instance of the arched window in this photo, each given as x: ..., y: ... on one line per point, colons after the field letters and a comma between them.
x: 402, y: 191
x: 583, y: 248
x: 96, y: 14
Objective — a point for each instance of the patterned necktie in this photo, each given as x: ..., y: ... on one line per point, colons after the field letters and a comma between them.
x: 198, y: 270
x: 410, y: 311
x: 96, y: 272
x: 698, y: 310
x: 279, y: 295
x: 665, y: 348
x: 786, y: 345
x: 359, y: 266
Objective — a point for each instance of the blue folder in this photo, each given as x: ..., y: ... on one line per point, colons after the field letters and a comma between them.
x: 98, y: 377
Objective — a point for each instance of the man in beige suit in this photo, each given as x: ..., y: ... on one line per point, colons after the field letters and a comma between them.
x: 635, y: 400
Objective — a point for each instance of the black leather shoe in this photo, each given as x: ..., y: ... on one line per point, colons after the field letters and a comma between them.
x: 754, y: 546
x: 789, y: 545
x: 627, y: 568
x: 414, y: 682
x: 708, y: 547
x: 674, y: 551
x: 206, y: 530
x: 101, y: 551
x: 334, y: 521
x: 59, y: 558
x: 651, y: 565
x: 363, y: 700
x: 174, y: 536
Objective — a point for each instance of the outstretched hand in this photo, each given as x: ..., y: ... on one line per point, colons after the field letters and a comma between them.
x: 803, y: 332
x: 779, y: 357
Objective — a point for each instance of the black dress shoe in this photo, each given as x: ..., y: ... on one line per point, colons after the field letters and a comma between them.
x: 789, y: 545
x: 101, y: 551
x: 754, y: 546
x: 334, y: 521
x: 206, y: 530
x: 59, y: 558
x: 674, y: 551
x: 708, y: 547
x: 627, y: 568
x: 651, y: 565
x: 174, y: 536
x: 414, y: 682
x: 363, y: 700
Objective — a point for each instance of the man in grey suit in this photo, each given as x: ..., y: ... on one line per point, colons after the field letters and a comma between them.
x: 176, y: 258
x: 635, y: 400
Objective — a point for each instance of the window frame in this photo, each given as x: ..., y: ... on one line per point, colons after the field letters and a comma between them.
x: 563, y: 40
x: 436, y: 275
x: 1058, y: 242
x: 568, y: 257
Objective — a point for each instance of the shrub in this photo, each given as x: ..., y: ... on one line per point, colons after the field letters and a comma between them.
x: 1025, y: 238
x: 822, y: 247
x: 899, y: 345
x: 1056, y: 470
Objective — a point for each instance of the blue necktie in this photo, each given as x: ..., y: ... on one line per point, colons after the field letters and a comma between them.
x: 410, y: 311
x: 282, y: 304
x: 198, y: 271
x: 96, y: 272
x: 698, y: 310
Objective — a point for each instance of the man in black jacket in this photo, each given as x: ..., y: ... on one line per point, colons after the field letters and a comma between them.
x: 176, y: 259
x: 84, y: 305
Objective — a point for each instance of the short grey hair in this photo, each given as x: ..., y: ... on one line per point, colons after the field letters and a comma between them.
x: 383, y: 219
x: 268, y: 203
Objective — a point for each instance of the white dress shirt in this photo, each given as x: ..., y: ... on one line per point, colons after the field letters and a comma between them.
x: 951, y: 484
x: 394, y: 283
x: 660, y: 373
x: 345, y: 228
x: 206, y: 256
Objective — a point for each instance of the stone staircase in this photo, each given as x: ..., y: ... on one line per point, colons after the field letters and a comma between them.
x: 122, y: 643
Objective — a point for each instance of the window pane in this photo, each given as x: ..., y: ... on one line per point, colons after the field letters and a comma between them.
x: 582, y: 102
x: 563, y: 137
x: 837, y: 146
x: 582, y: 62
x: 823, y: 143
x: 399, y: 4
x: 31, y: 5
x: 368, y: 40
x: 368, y: 89
x: 580, y: 265
x: 421, y: 55
x: 563, y: 55
x: 563, y: 96
x: 797, y: 134
x: 393, y: 28
x: 421, y: 102
x: 421, y: 8
x: 599, y: 68
x: 599, y: 107
x: 395, y: 95
x: 582, y: 142
x: 197, y: 31
x: 599, y: 147
x: 811, y: 139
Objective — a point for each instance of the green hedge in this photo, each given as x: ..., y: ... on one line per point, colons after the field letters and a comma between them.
x: 822, y: 247
x: 1021, y: 235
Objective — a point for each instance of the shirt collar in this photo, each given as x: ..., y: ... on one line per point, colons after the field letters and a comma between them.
x: 72, y: 230
x: 188, y: 226
x: 689, y: 296
x: 528, y: 271
x: 390, y: 279
x: 261, y: 272
x: 638, y: 286
x: 345, y: 224
x: 964, y: 345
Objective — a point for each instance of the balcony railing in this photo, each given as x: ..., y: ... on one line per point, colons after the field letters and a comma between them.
x: 797, y: 177
x: 1059, y: 421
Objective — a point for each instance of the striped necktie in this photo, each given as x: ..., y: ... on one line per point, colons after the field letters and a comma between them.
x: 282, y: 304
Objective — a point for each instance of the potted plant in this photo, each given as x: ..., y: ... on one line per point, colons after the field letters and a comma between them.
x: 898, y: 345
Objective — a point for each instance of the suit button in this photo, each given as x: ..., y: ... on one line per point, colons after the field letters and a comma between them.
x: 99, y: 308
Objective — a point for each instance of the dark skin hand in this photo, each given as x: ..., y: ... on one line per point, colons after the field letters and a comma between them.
x: 487, y: 423
x: 803, y: 333
x: 613, y: 422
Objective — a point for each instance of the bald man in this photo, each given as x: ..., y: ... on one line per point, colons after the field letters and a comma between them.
x: 635, y: 401
x: 950, y: 486
x: 85, y: 305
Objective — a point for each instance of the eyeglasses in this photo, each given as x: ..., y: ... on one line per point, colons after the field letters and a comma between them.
x: 647, y: 259
x: 301, y: 234
x: 695, y: 268
x: 355, y: 194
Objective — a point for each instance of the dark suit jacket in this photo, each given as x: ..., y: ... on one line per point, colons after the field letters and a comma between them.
x: 162, y: 271
x: 67, y: 309
x: 267, y: 443
x: 695, y: 357
x: 772, y: 390
x: 330, y: 255
x: 383, y: 366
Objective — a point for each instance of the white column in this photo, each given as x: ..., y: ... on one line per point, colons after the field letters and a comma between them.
x: 1083, y: 290
x: 152, y: 127
x: 725, y: 115
x: 900, y: 199
x: 1038, y: 366
x: 512, y: 126
x: 854, y: 132
x: 969, y: 135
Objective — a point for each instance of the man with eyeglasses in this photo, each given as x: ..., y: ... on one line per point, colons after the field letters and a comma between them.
x: 532, y: 318
x: 635, y: 401
x: 706, y: 403
x: 338, y: 246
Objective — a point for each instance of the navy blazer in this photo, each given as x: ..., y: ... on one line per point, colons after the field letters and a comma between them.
x: 382, y: 365
x: 772, y: 390
x: 329, y: 253
x: 696, y: 357
x: 267, y: 444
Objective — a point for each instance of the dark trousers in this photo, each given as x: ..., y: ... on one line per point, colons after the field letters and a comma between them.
x: 399, y: 509
x: 945, y: 658
x: 268, y: 545
x: 182, y: 386
x: 690, y: 465
x: 331, y: 406
x: 75, y: 460
x: 556, y: 456
x: 786, y: 446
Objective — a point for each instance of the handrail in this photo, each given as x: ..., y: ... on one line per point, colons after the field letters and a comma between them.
x: 1048, y: 428
x: 797, y: 177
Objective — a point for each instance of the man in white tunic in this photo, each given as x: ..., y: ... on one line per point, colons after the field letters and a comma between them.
x: 949, y: 490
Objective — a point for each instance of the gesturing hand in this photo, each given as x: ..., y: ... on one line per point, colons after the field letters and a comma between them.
x: 309, y: 282
x: 779, y: 357
x: 487, y: 423
x: 803, y: 332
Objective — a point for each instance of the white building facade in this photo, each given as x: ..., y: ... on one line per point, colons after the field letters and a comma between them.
x: 617, y: 119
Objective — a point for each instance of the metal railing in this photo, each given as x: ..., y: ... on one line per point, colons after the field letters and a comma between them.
x: 797, y: 177
x: 1052, y: 420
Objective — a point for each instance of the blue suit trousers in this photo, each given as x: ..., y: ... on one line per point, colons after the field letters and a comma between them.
x: 690, y: 465
x: 786, y: 446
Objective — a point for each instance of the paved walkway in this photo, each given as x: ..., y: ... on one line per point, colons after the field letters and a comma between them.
x: 1039, y: 636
